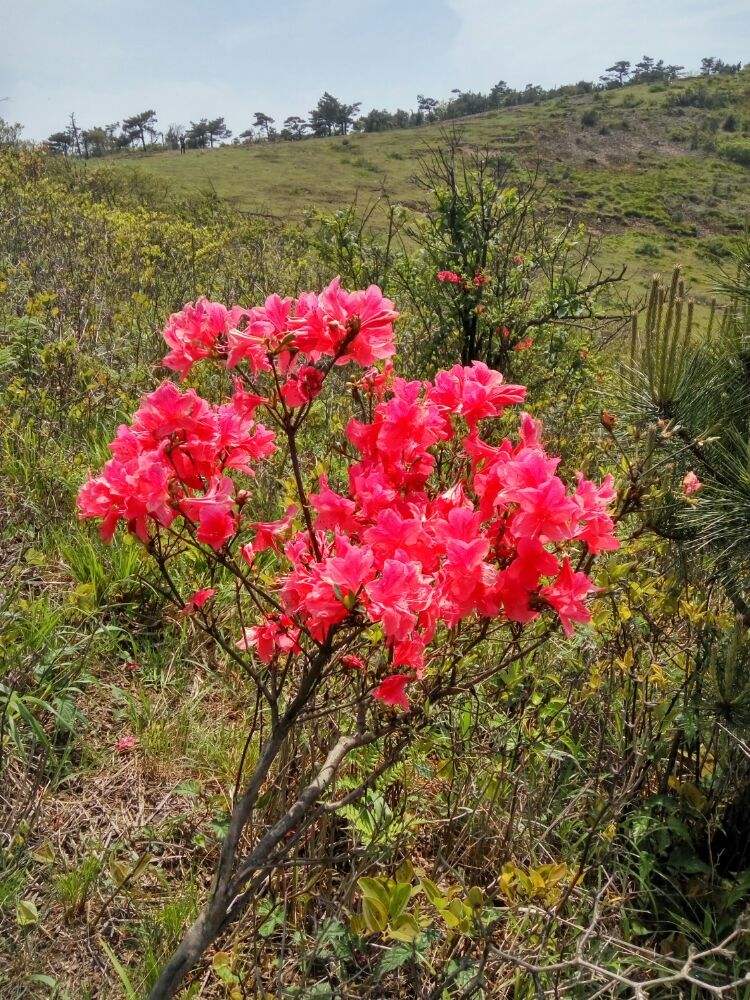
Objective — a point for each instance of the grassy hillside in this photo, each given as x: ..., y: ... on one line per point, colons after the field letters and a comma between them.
x: 652, y: 178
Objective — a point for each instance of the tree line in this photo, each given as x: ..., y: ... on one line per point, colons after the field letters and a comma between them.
x: 332, y: 116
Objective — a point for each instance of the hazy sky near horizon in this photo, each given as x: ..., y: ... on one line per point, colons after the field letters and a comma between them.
x: 188, y: 59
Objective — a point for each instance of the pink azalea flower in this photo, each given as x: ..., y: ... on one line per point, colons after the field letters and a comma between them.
x: 193, y: 333
x: 197, y: 600
x: 365, y: 321
x: 397, y: 597
x: 475, y: 391
x: 334, y: 511
x: 392, y: 691
x: 302, y: 387
x: 596, y: 527
x: 213, y: 512
x: 247, y: 552
x: 567, y: 596
x: 350, y: 569
x: 277, y: 634
x: 392, y: 545
x: 125, y: 744
x: 268, y: 533
x: 132, y: 491
x: 545, y: 511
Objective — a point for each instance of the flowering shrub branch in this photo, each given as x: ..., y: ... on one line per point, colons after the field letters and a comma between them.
x: 364, y: 601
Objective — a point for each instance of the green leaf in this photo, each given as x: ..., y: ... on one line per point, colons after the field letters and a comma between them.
x: 45, y: 854
x: 374, y: 889
x: 434, y: 895
x: 189, y: 788
x: 400, y: 896
x: 394, y: 958
x: 405, y: 928
x: 273, y: 921
x: 404, y: 872
x: 122, y: 975
x: 375, y: 914
x: 475, y: 897
x: 26, y: 913
x: 49, y: 981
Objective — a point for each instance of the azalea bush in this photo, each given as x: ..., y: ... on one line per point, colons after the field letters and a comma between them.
x: 486, y: 268
x: 369, y: 599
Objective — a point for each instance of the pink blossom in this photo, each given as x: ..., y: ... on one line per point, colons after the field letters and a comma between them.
x: 475, y: 391
x: 197, y: 600
x: 449, y: 277
x: 334, y: 510
x: 397, y: 597
x: 392, y: 691
x: 126, y: 743
x: 691, y: 484
x: 365, y: 321
x: 247, y: 552
x: 213, y: 512
x: 193, y: 333
x: 132, y: 491
x: 545, y: 511
x: 302, y: 387
x: 350, y: 568
x: 277, y: 634
x: 410, y: 653
x: 596, y: 527
x: 268, y: 533
x: 430, y: 526
x: 567, y: 596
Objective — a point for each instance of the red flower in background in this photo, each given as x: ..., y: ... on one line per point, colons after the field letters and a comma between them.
x: 449, y: 277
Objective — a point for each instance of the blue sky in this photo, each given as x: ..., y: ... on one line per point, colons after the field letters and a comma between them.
x: 105, y: 59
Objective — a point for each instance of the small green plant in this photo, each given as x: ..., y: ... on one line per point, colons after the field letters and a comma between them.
x: 590, y: 118
x: 73, y: 888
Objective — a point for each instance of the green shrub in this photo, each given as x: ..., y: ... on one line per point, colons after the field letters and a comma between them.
x: 698, y: 95
x: 731, y: 123
x: 648, y: 249
x: 737, y: 150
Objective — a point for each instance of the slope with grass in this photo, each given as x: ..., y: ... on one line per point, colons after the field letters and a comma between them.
x: 651, y: 176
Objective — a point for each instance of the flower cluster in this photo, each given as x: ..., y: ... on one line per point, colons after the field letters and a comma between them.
x: 401, y: 545
x: 344, y: 326
x: 174, y: 459
x: 452, y: 278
